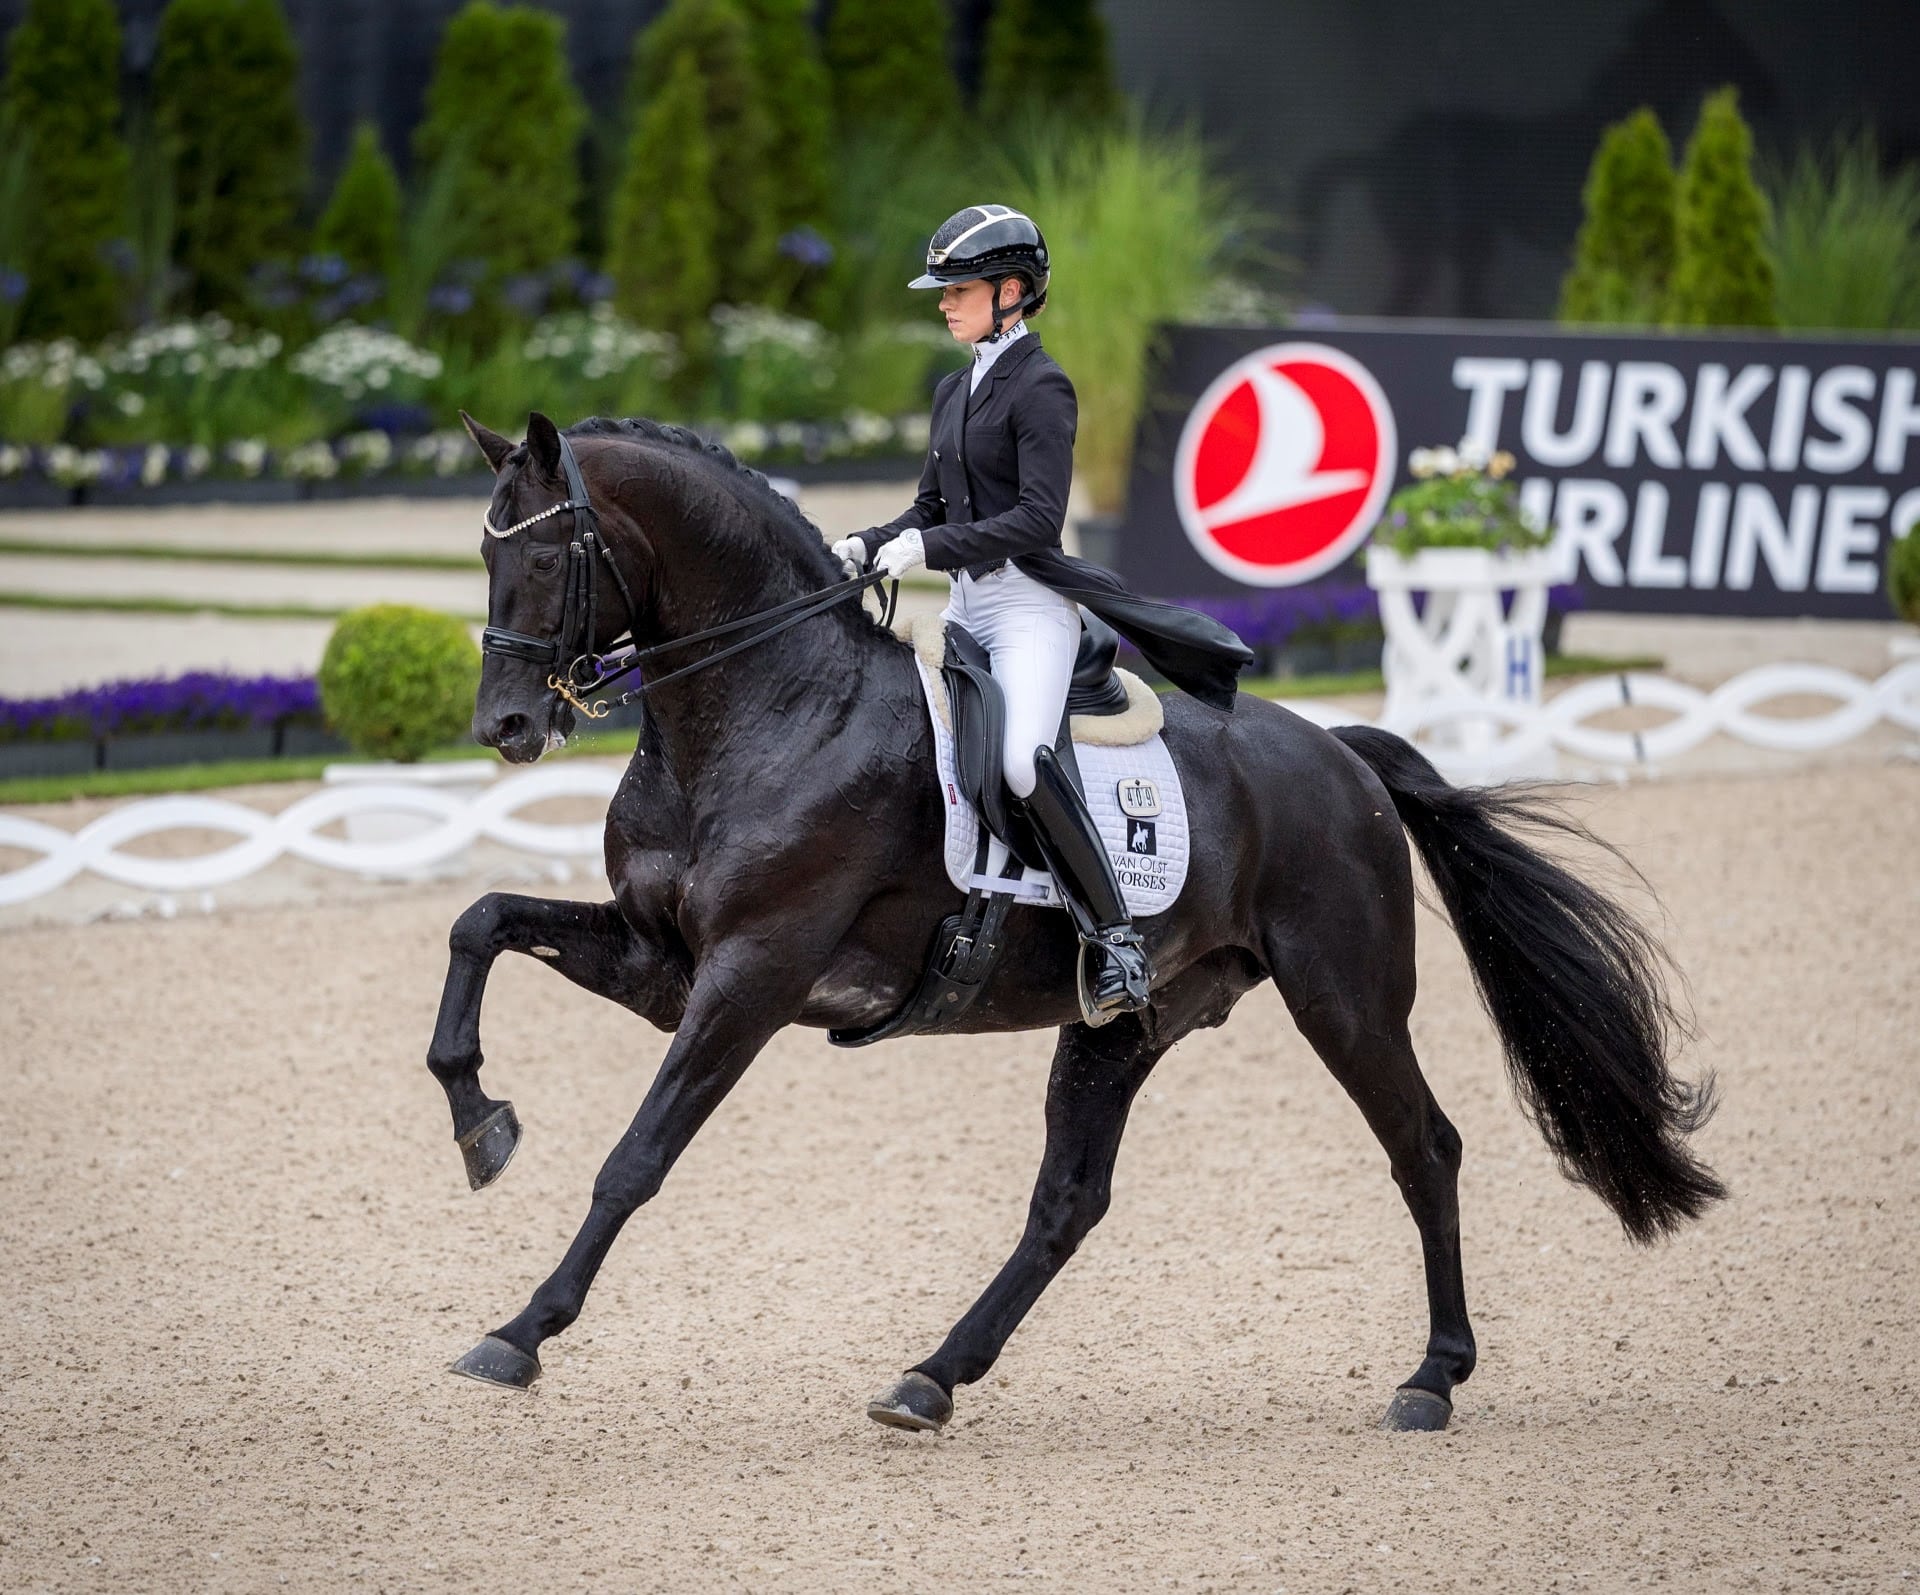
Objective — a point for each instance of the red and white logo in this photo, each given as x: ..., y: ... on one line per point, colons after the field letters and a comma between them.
x: 1284, y: 464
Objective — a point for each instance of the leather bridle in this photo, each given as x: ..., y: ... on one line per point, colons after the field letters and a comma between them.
x: 587, y: 671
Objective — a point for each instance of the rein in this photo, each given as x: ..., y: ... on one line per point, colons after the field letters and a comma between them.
x: 586, y: 671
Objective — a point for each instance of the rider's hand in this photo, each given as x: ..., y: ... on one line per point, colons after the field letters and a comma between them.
x: 852, y: 554
x: 898, y: 557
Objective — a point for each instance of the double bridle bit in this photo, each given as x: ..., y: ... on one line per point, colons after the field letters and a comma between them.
x: 574, y: 643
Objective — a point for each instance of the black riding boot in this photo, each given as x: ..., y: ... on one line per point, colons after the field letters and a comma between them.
x: 1083, y: 873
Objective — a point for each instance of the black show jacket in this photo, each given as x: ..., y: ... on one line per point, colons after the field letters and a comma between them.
x: 994, y: 488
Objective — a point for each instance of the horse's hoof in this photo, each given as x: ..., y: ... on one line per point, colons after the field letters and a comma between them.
x: 488, y: 1147
x: 495, y: 1362
x: 914, y: 1402
x: 1416, y: 1411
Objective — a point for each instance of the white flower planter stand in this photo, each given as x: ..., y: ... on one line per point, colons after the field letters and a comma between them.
x: 1474, y: 649
x: 424, y: 796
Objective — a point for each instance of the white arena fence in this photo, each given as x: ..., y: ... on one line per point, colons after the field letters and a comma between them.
x: 1515, y: 735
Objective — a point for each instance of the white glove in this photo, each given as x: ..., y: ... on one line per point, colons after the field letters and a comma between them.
x: 852, y: 554
x: 900, y: 555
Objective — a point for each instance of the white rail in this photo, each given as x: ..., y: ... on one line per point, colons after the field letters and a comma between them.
x: 493, y: 814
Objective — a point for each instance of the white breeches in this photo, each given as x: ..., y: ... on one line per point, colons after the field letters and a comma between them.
x: 1034, y: 635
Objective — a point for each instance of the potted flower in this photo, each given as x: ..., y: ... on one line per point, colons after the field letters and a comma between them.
x: 398, y: 682
x: 1457, y: 540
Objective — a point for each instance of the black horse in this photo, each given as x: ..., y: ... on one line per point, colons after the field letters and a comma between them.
x: 774, y: 851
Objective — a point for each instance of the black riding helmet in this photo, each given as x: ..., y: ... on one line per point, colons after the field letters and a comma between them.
x: 993, y: 242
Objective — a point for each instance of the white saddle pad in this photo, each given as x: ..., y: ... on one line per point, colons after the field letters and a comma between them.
x: 1133, y: 794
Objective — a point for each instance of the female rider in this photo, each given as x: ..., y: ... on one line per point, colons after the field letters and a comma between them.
x: 991, y: 505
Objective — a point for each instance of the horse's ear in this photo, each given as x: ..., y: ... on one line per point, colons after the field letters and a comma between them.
x: 492, y: 444
x: 543, y: 439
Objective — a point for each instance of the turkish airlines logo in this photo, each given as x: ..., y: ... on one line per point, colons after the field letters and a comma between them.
x: 1284, y: 464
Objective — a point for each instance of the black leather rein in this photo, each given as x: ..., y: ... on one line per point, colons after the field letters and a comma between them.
x: 587, y: 672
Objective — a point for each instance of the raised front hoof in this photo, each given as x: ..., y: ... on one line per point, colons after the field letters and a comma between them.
x: 914, y: 1402
x: 495, y: 1362
x: 489, y: 1146
x: 1416, y: 1411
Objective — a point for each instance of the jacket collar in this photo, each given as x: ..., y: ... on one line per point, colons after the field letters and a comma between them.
x: 1011, y: 357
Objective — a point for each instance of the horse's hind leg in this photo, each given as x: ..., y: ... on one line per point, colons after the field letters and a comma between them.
x: 1095, y: 1075
x: 590, y: 943
x: 1354, y: 1013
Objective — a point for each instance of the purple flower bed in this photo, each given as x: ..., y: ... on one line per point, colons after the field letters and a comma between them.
x: 199, y: 701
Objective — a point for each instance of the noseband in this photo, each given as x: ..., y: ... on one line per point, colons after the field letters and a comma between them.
x: 586, y: 670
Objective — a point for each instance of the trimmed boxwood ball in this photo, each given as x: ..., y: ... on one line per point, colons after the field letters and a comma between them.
x: 397, y: 681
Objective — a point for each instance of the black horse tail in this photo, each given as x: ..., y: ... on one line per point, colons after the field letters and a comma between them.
x: 1577, y: 988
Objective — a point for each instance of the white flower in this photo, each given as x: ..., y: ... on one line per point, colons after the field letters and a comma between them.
x: 1474, y: 454
x: 1420, y: 462
x: 352, y: 358
x: 153, y: 465
x: 866, y: 430
x: 12, y: 460
x: 197, y: 461
x: 744, y: 328
x: 249, y: 455
x: 913, y: 431
x: 370, y: 451
x: 747, y: 439
x: 129, y: 403
x: 310, y: 461
x: 1445, y: 461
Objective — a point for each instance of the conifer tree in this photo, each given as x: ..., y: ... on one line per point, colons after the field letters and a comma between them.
x: 62, y: 106
x: 361, y: 223
x: 890, y: 67
x: 798, y: 96
x: 713, y: 35
x: 1047, y: 58
x: 1623, y: 257
x: 661, y: 237
x: 502, y: 111
x: 1722, y: 275
x: 224, y: 83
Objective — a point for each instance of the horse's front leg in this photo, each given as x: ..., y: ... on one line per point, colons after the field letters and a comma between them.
x: 592, y: 944
x: 740, y: 997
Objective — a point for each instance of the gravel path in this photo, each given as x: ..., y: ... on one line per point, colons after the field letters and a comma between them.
x: 241, y: 1251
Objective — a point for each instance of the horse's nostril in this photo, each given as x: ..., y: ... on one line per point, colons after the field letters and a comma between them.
x: 512, y: 728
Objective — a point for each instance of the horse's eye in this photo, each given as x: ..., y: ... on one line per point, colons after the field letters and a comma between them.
x: 545, y: 561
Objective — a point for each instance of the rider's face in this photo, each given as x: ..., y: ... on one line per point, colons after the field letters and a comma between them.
x: 968, y: 307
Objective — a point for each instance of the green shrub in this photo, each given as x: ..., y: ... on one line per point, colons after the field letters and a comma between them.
x: 224, y: 82
x: 152, y: 218
x: 398, y: 682
x: 1623, y: 256
x: 505, y: 119
x: 1846, y: 241
x: 62, y: 109
x: 890, y: 67
x: 890, y: 191
x: 712, y: 36
x: 1047, y: 57
x: 1903, y: 575
x: 1722, y: 276
x: 1139, y: 229
x: 361, y: 223
x: 798, y: 96
x: 661, y: 249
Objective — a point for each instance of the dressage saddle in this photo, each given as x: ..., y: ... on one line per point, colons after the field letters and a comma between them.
x: 979, y: 723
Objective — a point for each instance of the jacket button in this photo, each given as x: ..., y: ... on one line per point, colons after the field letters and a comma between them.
x: 936, y: 454
x: 966, y: 502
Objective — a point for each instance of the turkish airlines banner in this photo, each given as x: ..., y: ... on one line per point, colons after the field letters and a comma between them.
x: 1689, y: 475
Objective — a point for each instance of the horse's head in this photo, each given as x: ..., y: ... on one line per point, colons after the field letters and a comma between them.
x: 539, y: 618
